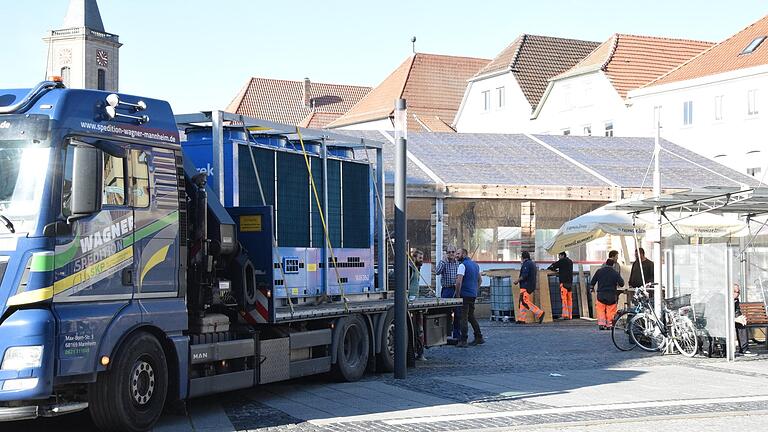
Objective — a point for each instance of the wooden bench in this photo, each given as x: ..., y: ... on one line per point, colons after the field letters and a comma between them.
x: 756, y: 316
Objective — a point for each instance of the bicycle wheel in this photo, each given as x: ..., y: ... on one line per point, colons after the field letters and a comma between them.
x: 620, y: 331
x: 684, y: 336
x: 645, y: 331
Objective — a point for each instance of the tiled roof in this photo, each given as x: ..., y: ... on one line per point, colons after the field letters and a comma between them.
x: 535, y: 59
x: 723, y: 57
x: 631, y: 61
x: 433, y: 123
x: 283, y: 101
x: 432, y: 85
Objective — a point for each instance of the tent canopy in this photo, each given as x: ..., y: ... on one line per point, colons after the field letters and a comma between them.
x: 606, y: 221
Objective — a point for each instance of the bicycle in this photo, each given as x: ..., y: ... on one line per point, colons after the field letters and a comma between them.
x: 620, y: 331
x: 652, y: 333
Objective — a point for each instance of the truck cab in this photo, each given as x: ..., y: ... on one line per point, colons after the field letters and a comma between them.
x: 89, y: 253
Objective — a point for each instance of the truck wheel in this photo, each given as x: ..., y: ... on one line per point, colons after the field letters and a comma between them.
x: 353, y: 348
x: 386, y: 357
x: 131, y: 396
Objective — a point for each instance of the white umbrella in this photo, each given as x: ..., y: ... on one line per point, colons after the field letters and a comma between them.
x: 602, y: 221
x: 593, y: 225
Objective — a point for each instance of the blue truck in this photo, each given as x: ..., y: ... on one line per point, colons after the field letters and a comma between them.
x: 147, y: 259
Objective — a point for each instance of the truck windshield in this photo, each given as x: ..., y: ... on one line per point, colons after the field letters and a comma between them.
x: 23, y: 166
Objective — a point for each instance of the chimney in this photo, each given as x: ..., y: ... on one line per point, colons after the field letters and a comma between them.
x: 307, y: 93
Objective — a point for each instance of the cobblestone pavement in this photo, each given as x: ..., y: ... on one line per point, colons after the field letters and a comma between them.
x: 560, y: 376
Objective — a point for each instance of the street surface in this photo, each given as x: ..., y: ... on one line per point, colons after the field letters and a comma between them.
x: 539, y: 378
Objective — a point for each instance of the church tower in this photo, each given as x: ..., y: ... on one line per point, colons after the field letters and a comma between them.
x: 82, y: 52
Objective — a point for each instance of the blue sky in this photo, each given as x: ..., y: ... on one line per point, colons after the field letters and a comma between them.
x: 198, y: 53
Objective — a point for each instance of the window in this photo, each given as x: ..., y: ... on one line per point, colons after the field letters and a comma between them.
x: 140, y: 191
x: 114, y: 180
x: 718, y: 108
x: 688, y: 112
x: 754, y: 172
x: 102, y: 84
x: 487, y: 100
x: 501, y: 97
x: 588, y: 130
x: 65, y: 75
x: 752, y: 109
x: 609, y: 129
x: 566, y: 131
x: 749, y: 49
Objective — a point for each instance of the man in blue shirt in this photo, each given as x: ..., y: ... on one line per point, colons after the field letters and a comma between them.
x: 527, y: 281
x: 447, y: 269
x: 468, y: 282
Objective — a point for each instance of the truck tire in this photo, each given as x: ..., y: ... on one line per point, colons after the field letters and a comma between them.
x: 353, y: 348
x: 386, y: 358
x: 130, y: 397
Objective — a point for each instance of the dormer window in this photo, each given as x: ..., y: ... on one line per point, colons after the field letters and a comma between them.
x: 753, y: 45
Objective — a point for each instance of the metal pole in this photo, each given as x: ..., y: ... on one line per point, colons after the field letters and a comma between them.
x: 657, y: 267
x: 326, y: 232
x: 217, y: 119
x: 439, y: 238
x: 381, y: 226
x: 657, y: 153
x: 401, y: 258
x: 730, y: 313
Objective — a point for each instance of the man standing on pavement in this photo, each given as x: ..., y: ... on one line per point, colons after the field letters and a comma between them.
x: 608, y: 280
x: 635, y: 276
x: 447, y: 269
x: 414, y: 267
x: 527, y: 281
x: 564, y: 268
x: 468, y: 282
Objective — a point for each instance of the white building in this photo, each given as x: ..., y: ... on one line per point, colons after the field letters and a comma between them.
x: 590, y: 98
x: 712, y: 103
x: 501, y: 96
x: 82, y: 52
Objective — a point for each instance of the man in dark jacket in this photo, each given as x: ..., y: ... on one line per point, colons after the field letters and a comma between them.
x: 607, y: 280
x: 564, y: 268
x: 635, y: 277
x: 527, y: 281
x: 742, y: 334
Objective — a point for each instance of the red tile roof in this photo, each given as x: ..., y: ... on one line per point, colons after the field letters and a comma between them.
x: 535, y: 59
x: 723, y: 57
x: 631, y: 61
x: 283, y: 101
x: 433, y: 85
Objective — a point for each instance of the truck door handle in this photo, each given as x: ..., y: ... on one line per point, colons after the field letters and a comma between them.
x: 127, y: 277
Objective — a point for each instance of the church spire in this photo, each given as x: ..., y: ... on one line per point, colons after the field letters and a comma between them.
x: 84, y: 13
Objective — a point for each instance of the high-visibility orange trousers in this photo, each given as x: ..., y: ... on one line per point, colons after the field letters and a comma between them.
x: 605, y: 313
x: 566, y: 298
x: 526, y: 306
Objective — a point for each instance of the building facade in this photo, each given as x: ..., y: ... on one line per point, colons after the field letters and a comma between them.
x: 501, y: 97
x: 712, y: 103
x: 590, y: 98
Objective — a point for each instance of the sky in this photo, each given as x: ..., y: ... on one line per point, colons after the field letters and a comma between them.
x: 198, y: 54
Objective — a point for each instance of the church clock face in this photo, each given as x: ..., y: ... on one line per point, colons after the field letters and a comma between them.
x: 102, y: 58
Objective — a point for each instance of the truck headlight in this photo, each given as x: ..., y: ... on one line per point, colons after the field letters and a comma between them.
x: 20, y: 384
x: 26, y: 357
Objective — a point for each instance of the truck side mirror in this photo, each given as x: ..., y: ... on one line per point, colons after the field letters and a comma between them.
x: 86, y: 181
